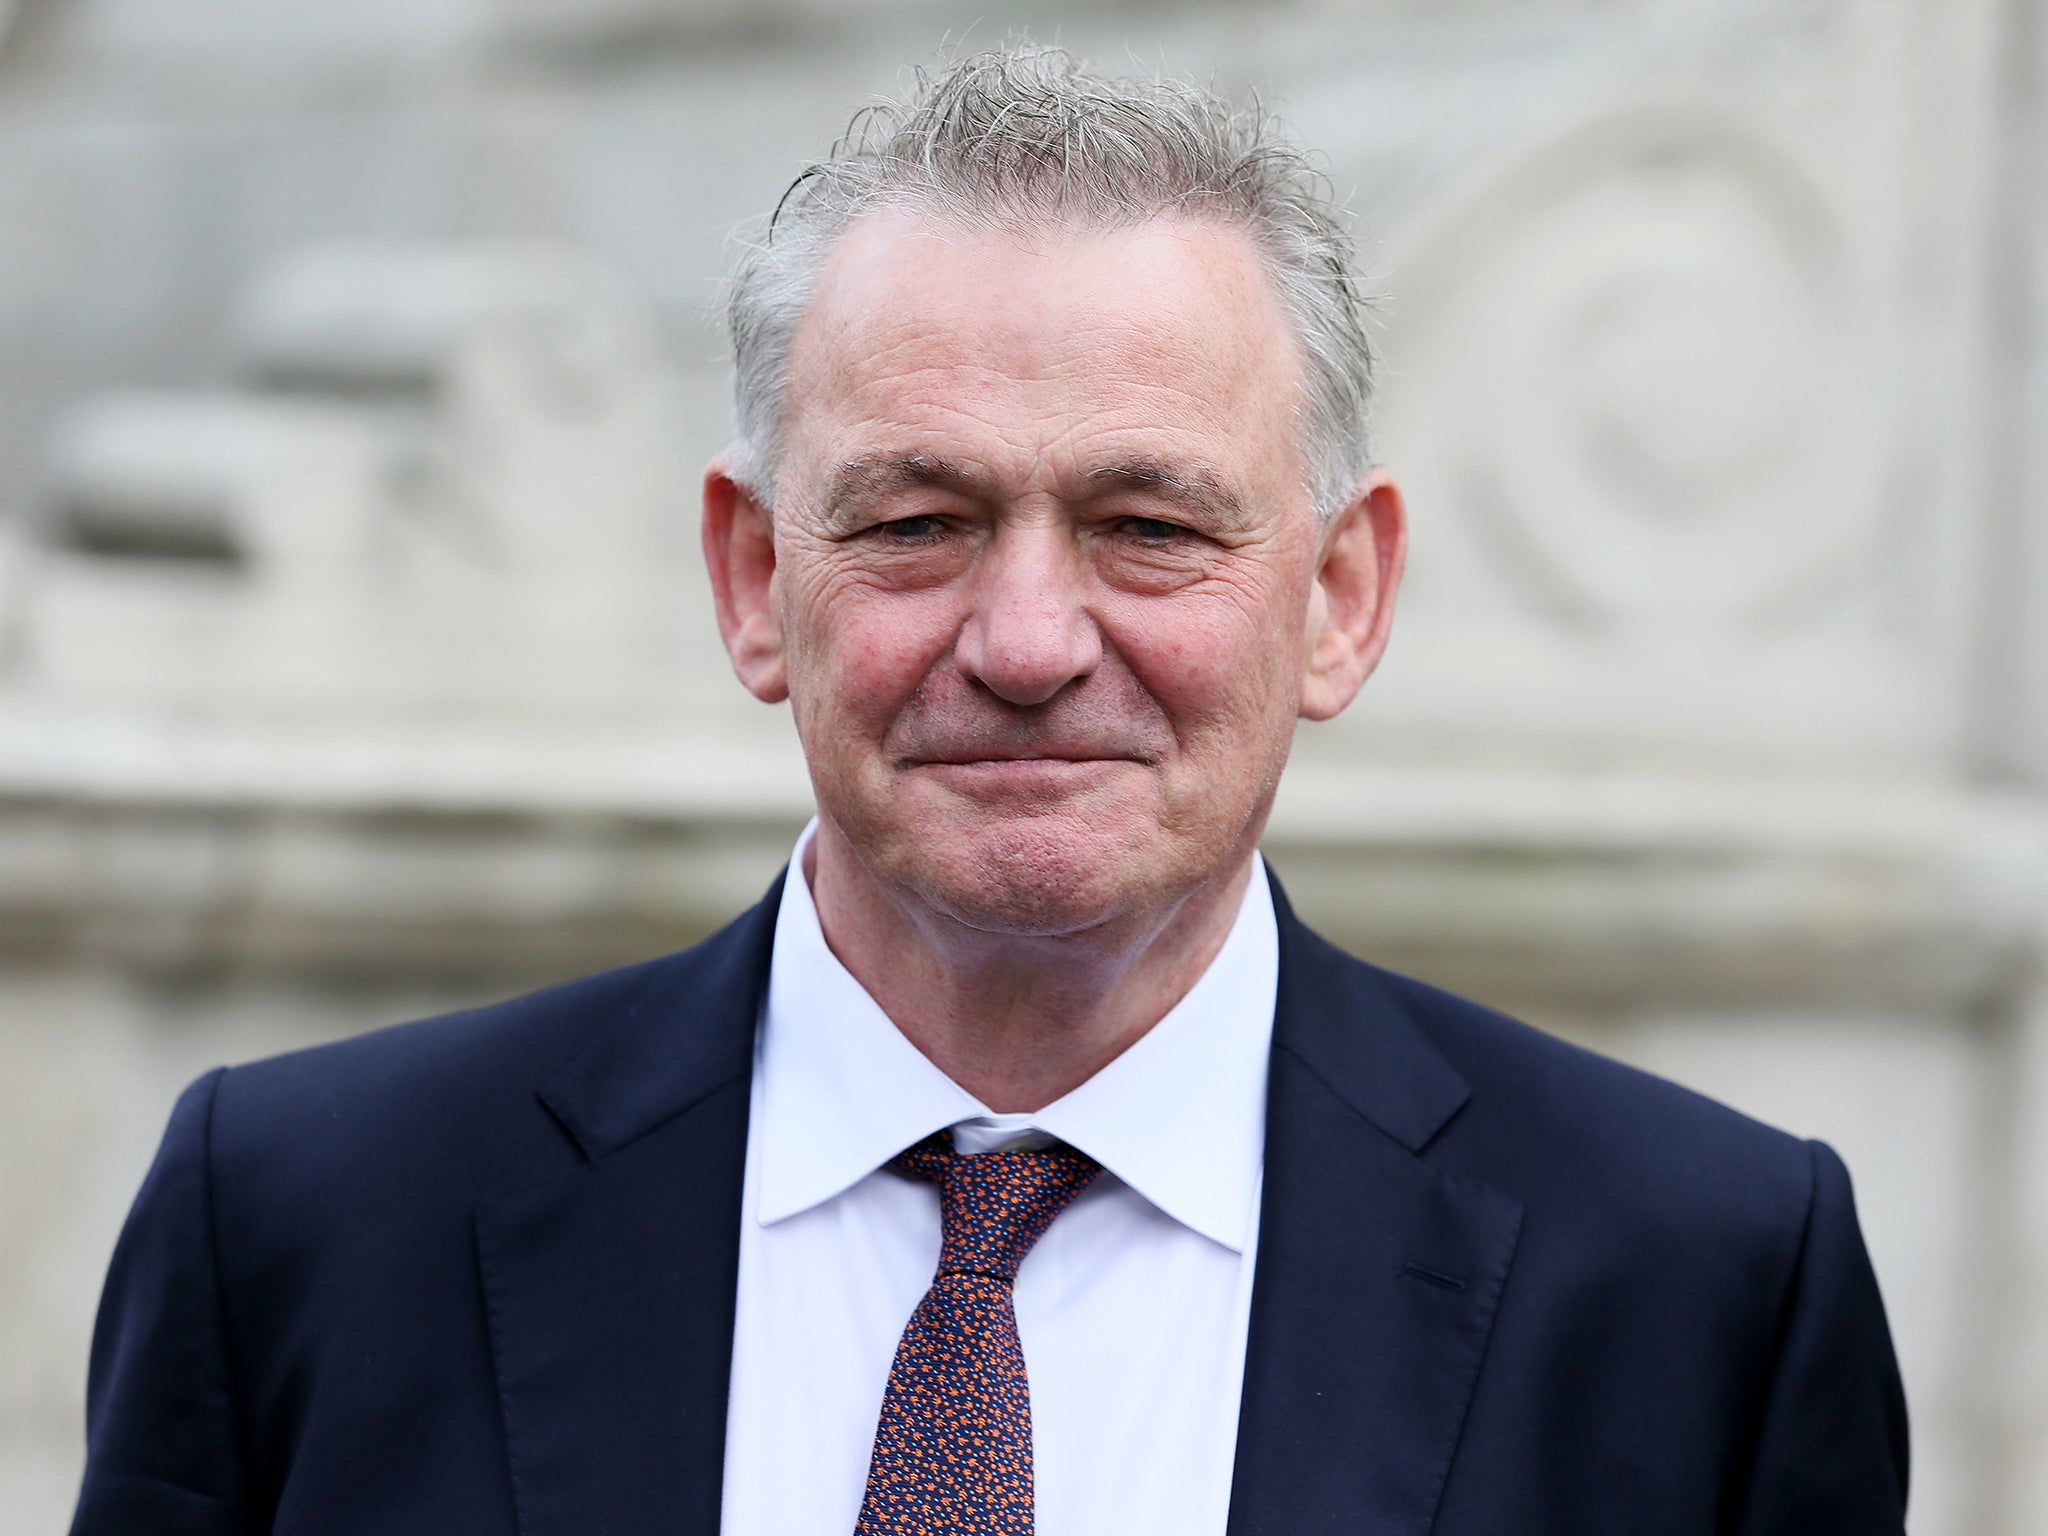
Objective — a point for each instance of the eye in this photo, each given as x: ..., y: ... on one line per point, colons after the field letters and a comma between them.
x: 1153, y: 530
x: 911, y: 530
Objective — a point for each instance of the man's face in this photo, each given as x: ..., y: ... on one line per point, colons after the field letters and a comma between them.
x: 1045, y: 576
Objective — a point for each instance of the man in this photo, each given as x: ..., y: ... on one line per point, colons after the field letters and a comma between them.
x: 1020, y: 1162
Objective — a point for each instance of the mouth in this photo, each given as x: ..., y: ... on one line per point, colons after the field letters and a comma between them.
x: 1044, y: 758
x: 1037, y: 779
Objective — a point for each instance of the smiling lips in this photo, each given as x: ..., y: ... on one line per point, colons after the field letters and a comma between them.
x: 1103, y: 718
x: 980, y: 758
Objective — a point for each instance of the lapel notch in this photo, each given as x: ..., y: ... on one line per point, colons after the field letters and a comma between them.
x: 1379, y: 1275
x: 610, y: 1289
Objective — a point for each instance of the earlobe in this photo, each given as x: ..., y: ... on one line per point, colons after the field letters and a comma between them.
x: 739, y: 553
x: 1351, y: 610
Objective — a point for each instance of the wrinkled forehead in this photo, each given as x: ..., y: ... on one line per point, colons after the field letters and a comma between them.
x: 1046, y: 333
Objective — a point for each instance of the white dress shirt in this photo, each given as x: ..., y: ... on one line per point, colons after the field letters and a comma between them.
x: 1131, y: 1309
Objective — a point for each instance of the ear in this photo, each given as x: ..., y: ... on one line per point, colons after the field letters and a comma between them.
x: 1364, y: 549
x: 739, y: 551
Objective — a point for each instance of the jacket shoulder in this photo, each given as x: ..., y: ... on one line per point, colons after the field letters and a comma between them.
x: 1554, y: 1089
x: 1567, y: 1129
x: 460, y: 1102
x: 419, y: 1088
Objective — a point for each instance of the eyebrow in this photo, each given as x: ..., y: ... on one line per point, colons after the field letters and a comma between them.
x: 857, y: 482
x: 1196, y: 487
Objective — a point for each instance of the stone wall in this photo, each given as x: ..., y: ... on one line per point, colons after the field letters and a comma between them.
x: 355, y: 376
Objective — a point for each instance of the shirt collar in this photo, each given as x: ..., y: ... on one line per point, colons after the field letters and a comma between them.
x: 1179, y: 1116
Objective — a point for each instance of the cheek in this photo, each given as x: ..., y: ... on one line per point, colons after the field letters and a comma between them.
x: 1221, y: 665
x: 856, y: 651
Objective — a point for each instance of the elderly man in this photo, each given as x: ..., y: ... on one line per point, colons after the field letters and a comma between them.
x: 1021, y: 1162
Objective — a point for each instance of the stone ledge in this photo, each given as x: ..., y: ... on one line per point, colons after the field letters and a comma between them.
x: 202, y: 854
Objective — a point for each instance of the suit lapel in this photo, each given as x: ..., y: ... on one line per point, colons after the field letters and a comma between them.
x: 1378, y: 1274
x: 610, y: 1289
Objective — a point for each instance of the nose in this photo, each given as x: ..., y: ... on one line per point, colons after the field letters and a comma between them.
x: 1029, y: 633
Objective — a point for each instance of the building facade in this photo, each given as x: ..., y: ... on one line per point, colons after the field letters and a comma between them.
x: 356, y: 369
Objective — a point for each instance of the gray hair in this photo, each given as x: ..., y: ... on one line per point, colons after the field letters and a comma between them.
x: 1020, y: 133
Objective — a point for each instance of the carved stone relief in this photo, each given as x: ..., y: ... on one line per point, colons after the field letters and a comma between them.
x: 1663, y: 401
x: 1641, y: 395
x: 451, y: 479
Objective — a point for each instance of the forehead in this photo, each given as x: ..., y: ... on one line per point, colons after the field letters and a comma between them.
x: 1163, y: 337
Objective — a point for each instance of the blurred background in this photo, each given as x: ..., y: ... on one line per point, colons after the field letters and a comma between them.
x: 356, y: 368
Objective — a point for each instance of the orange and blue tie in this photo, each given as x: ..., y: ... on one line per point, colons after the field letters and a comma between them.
x: 953, y: 1447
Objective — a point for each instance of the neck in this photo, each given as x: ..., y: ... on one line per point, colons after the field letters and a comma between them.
x: 1017, y: 1020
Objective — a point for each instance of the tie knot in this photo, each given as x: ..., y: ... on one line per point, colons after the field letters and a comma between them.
x: 995, y: 1205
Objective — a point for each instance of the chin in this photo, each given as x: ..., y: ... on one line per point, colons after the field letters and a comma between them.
x: 1041, y: 876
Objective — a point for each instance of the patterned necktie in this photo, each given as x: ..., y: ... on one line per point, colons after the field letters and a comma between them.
x: 953, y: 1447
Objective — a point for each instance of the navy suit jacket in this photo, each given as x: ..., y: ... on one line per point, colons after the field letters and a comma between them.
x: 477, y: 1275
